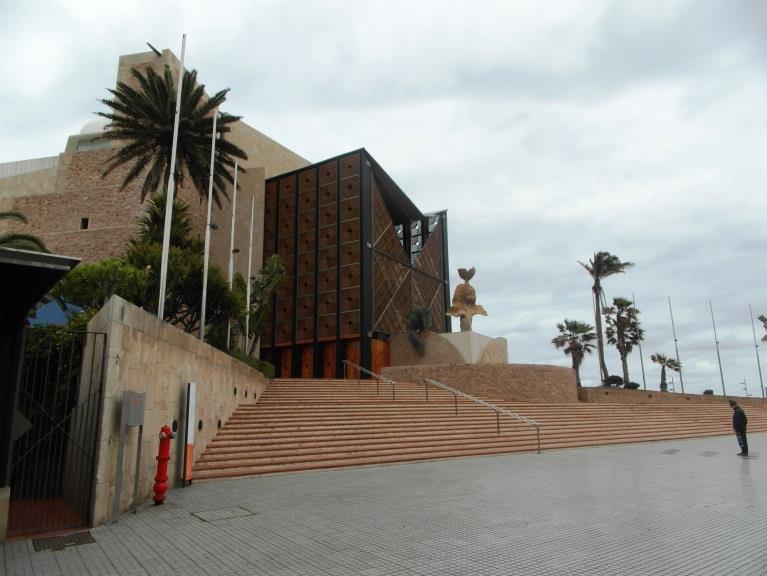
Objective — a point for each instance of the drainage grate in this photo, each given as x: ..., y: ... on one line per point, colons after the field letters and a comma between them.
x: 222, y: 514
x: 61, y: 542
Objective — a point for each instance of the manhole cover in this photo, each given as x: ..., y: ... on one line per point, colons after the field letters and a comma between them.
x: 61, y: 542
x: 222, y: 514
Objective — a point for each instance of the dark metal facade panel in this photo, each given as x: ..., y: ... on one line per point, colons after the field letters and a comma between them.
x: 341, y: 227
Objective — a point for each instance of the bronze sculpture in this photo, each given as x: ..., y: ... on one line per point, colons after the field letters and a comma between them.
x: 464, y: 303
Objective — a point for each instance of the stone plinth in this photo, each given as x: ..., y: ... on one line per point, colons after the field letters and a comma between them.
x: 450, y: 348
x: 510, y: 382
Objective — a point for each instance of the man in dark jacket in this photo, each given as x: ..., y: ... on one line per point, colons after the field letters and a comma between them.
x: 739, y: 422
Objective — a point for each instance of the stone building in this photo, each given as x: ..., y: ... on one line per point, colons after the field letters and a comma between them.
x: 77, y: 212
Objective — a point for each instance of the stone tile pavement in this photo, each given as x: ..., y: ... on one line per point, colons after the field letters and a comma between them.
x: 689, y: 507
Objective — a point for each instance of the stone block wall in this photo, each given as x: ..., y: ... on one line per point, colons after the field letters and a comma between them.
x: 510, y: 382
x: 622, y: 396
x: 147, y: 355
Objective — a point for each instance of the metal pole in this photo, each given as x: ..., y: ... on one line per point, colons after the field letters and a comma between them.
x: 716, y: 341
x: 756, y: 349
x: 641, y: 359
x: 207, y: 228
x: 171, y: 188
x: 250, y: 280
x: 676, y: 347
x: 231, y: 253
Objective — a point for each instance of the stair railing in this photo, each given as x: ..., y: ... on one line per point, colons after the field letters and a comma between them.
x: 498, y: 410
x: 378, y: 377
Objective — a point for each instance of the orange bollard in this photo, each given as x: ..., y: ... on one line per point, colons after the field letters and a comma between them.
x: 161, y: 479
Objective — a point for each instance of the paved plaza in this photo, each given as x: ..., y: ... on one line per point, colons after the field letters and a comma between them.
x: 689, y: 507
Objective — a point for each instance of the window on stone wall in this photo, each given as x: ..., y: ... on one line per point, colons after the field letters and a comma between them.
x: 84, y: 223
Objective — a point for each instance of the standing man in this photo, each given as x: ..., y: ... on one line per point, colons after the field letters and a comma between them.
x: 739, y: 422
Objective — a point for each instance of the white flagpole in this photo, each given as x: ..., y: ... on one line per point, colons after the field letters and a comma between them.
x: 231, y: 252
x: 207, y: 228
x: 171, y: 188
x: 756, y: 348
x: 250, y: 263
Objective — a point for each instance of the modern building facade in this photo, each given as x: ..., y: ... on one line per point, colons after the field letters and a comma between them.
x: 359, y: 255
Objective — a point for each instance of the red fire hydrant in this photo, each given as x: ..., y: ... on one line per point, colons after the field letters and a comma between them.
x: 161, y: 479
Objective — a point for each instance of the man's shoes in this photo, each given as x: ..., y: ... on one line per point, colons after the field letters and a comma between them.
x: 742, y: 453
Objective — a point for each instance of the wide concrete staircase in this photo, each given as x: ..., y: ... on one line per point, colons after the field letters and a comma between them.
x: 312, y: 424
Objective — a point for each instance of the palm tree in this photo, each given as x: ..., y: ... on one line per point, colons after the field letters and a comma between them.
x: 143, y: 120
x: 20, y: 241
x: 623, y: 330
x: 576, y: 338
x: 665, y: 362
x: 763, y: 320
x: 600, y: 267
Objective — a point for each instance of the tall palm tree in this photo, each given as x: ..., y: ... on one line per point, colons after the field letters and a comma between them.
x: 600, y: 267
x: 17, y: 240
x: 665, y: 362
x: 143, y: 120
x: 623, y: 330
x: 576, y: 338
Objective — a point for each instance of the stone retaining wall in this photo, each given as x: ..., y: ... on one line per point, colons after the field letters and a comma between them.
x: 622, y: 396
x: 147, y: 355
x: 510, y: 382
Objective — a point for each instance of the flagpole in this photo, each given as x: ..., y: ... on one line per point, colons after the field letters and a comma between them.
x: 231, y: 252
x: 250, y: 262
x: 716, y: 341
x: 756, y: 348
x: 207, y: 228
x: 639, y: 343
x: 171, y: 188
x: 676, y: 347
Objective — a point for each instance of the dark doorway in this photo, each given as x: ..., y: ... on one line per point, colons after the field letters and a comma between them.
x: 56, y: 429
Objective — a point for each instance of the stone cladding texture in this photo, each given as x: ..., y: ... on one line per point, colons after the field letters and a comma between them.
x: 510, y: 382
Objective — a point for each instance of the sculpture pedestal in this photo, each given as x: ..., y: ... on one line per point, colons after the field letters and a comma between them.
x: 450, y: 348
x: 476, y: 348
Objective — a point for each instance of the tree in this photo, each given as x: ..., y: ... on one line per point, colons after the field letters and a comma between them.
x: 89, y: 286
x: 184, y: 284
x: 665, y: 362
x: 600, y: 267
x: 576, y: 339
x: 20, y: 241
x: 623, y: 330
x: 143, y: 119
x: 271, y: 275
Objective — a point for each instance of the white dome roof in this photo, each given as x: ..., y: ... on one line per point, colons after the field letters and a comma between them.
x: 95, y: 126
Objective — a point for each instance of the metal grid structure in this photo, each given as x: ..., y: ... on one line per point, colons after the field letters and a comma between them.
x: 352, y: 273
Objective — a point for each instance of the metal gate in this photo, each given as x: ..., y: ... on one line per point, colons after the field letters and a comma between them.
x: 56, y: 430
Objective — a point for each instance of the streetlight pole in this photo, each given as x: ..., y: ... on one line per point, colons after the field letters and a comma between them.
x: 231, y: 252
x: 171, y: 188
x: 756, y: 348
x: 207, y: 228
x: 250, y: 280
x: 716, y: 341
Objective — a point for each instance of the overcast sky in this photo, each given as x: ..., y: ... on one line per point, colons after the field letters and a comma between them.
x: 548, y: 130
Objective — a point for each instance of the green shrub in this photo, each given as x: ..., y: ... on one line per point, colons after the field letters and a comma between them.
x: 616, y: 381
x: 262, y: 366
x: 632, y: 386
x: 708, y: 392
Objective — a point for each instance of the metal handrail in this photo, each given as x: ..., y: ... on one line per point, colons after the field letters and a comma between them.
x: 378, y: 377
x: 498, y: 410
